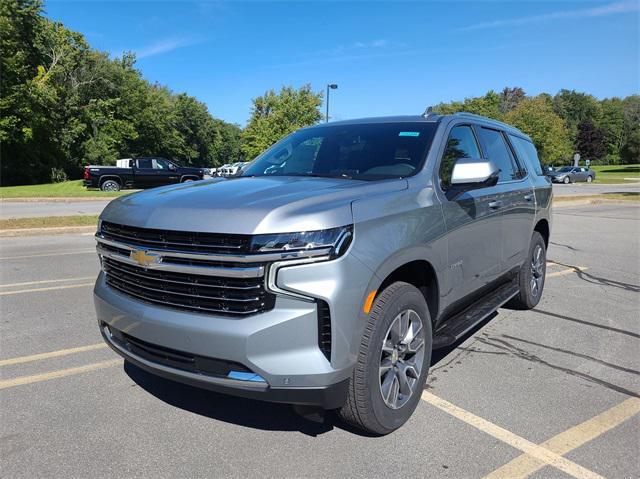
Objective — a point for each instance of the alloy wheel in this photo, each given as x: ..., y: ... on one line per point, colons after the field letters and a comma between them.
x: 537, y: 270
x: 401, y: 359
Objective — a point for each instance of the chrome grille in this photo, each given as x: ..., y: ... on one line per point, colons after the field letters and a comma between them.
x: 190, y: 242
x: 179, y: 277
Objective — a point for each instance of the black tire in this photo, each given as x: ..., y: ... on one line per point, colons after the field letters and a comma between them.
x: 528, y: 297
x: 110, y: 185
x: 589, y: 179
x: 566, y: 180
x: 365, y: 408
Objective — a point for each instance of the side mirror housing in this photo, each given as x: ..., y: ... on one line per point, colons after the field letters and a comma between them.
x: 472, y: 173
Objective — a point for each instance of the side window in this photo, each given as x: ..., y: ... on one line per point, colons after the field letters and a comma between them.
x: 498, y: 152
x: 460, y: 144
x: 145, y: 164
x: 527, y: 153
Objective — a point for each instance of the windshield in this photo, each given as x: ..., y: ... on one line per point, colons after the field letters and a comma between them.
x: 358, y: 151
x: 566, y: 169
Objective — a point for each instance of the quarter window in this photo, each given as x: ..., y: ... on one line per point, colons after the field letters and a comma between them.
x: 460, y: 144
x: 527, y: 153
x: 498, y: 152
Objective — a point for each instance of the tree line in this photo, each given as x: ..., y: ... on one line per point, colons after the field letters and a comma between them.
x: 64, y: 105
x: 603, y: 131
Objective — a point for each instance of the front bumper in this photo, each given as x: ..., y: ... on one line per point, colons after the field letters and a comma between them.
x: 279, y: 345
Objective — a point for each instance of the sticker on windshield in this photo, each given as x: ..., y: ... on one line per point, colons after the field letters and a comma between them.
x: 409, y: 133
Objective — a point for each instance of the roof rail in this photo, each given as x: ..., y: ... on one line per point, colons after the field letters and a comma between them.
x: 480, y: 117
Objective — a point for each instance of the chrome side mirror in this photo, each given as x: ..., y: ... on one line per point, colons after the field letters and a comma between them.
x: 471, y: 173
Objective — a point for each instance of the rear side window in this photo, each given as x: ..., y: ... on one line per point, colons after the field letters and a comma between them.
x: 527, y: 154
x: 496, y: 150
x: 145, y: 164
x: 460, y: 144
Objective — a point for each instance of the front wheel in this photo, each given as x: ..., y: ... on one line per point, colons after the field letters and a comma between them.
x: 532, y: 275
x: 395, y: 354
x: 566, y: 181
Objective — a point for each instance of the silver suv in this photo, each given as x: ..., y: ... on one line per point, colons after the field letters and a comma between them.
x: 330, y: 269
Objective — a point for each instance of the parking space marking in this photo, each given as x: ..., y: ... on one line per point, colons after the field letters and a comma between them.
x: 570, y: 439
x: 45, y: 281
x: 36, y: 378
x: 575, y: 269
x: 53, y: 253
x: 545, y: 456
x: 52, y: 288
x: 51, y: 354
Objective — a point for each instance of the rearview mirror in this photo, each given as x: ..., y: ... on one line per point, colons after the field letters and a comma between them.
x: 471, y: 173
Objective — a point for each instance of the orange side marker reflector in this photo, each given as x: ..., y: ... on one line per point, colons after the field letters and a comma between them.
x: 369, y: 301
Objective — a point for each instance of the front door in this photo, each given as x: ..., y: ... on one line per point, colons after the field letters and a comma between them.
x: 473, y: 222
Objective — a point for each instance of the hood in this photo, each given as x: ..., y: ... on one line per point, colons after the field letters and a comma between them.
x: 555, y: 173
x: 247, y: 205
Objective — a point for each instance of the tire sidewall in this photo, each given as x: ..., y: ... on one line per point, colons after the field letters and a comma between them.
x: 525, y: 283
x: 408, y: 297
x: 102, y: 187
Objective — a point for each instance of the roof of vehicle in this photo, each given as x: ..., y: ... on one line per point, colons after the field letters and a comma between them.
x: 429, y: 118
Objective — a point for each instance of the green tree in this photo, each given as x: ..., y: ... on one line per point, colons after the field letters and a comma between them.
x: 275, y: 115
x: 487, y: 105
x: 536, y: 118
x: 590, y: 141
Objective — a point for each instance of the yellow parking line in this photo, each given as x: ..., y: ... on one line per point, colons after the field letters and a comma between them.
x: 13, y: 285
x: 51, y: 354
x: 52, y: 288
x: 53, y: 253
x: 540, y: 453
x: 570, y: 439
x: 36, y: 378
x: 564, y: 272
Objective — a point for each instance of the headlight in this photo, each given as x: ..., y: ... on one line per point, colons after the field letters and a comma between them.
x: 335, y: 239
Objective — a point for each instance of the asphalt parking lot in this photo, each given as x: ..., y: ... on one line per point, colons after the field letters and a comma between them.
x: 552, y: 392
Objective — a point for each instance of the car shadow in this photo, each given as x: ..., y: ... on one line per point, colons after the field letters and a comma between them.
x: 234, y: 410
x: 252, y: 413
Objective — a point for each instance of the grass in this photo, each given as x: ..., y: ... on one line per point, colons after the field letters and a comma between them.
x: 66, y: 189
x: 626, y: 196
x: 48, y: 222
x: 609, y: 174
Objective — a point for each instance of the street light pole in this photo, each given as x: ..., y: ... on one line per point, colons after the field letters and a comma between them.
x: 330, y: 86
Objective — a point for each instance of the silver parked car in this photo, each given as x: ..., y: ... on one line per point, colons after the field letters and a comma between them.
x: 327, y: 272
x: 571, y: 174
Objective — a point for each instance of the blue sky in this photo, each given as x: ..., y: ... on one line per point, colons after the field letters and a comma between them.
x: 387, y: 57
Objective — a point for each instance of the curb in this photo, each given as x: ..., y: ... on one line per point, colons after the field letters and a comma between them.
x: 47, y: 231
x: 592, y: 201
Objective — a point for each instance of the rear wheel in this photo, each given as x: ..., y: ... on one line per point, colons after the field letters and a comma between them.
x: 589, y: 179
x: 110, y: 185
x: 532, y: 275
x: 393, y: 362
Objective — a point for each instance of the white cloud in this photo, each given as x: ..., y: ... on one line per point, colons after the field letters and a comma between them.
x: 164, y: 46
x: 603, y: 10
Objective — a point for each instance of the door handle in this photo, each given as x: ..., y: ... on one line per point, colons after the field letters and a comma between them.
x: 495, y: 204
x: 528, y: 197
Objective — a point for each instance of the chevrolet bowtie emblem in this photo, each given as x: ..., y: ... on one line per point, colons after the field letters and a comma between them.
x: 144, y: 258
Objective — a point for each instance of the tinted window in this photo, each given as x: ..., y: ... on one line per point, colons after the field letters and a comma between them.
x: 359, y: 151
x: 460, y: 144
x: 527, y: 153
x: 498, y: 152
x: 145, y: 164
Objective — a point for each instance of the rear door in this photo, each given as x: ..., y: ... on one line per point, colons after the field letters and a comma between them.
x: 517, y: 201
x: 144, y: 173
x: 472, y: 220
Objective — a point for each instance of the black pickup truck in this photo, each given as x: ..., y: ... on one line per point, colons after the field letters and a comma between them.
x: 140, y: 173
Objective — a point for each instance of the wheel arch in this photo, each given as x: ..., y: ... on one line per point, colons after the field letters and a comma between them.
x: 104, y: 178
x: 184, y: 178
x: 421, y: 274
x: 542, y: 227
